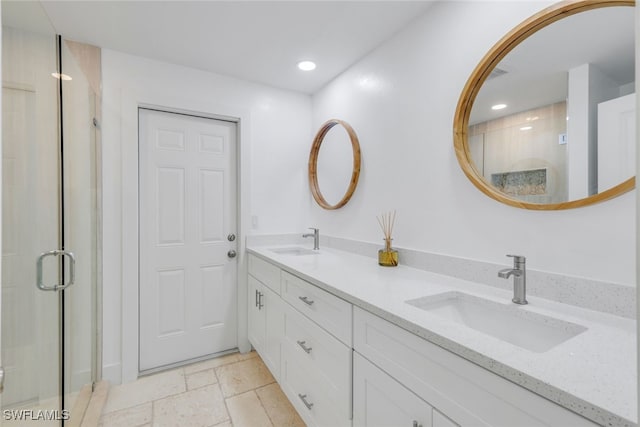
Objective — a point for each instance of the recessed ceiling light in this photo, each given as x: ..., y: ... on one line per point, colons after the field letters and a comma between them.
x: 307, y: 65
x: 499, y: 106
x: 526, y: 128
x: 61, y: 76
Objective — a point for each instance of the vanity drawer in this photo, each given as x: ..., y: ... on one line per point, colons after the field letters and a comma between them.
x: 307, y: 390
x: 325, y: 354
x: 328, y: 311
x: 464, y: 392
x: 265, y: 272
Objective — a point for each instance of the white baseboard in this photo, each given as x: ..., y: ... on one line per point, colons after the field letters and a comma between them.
x: 112, y: 373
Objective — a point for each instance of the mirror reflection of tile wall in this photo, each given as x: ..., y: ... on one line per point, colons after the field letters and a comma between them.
x: 520, y: 143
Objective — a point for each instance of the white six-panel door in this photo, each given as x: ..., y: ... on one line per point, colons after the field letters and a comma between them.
x: 187, y: 211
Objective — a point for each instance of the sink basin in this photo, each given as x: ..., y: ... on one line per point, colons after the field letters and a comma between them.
x: 507, y: 322
x: 294, y: 250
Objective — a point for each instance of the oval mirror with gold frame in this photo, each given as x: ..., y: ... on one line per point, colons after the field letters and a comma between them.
x: 528, y: 182
x: 336, y: 159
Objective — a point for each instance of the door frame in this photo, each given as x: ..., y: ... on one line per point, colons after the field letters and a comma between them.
x: 131, y: 101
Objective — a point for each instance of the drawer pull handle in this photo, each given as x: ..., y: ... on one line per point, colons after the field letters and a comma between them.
x: 260, y: 304
x: 415, y: 424
x: 306, y: 300
x: 303, y: 397
x: 256, y: 297
x: 304, y: 347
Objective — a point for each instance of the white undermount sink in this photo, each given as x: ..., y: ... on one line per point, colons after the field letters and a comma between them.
x: 294, y: 250
x: 507, y: 322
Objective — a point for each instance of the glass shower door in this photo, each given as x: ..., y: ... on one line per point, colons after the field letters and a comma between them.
x: 31, y: 215
x: 50, y: 101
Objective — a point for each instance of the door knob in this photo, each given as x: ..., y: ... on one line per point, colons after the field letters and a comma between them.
x: 231, y: 237
x: 231, y: 254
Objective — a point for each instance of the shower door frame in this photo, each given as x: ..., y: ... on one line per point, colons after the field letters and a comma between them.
x: 94, y: 258
x: 96, y: 300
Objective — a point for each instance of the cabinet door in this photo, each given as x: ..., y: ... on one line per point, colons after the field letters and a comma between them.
x: 256, y: 326
x: 266, y: 273
x: 379, y: 400
x: 464, y: 392
x: 274, y: 330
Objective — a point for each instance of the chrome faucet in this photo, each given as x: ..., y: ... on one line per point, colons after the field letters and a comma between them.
x: 316, y: 237
x: 519, y: 273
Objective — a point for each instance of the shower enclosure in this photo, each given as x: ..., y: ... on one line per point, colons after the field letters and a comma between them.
x: 50, y: 262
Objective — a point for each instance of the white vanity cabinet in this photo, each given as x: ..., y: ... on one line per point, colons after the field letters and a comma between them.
x: 460, y: 392
x: 340, y: 365
x: 316, y: 370
x: 266, y: 316
x: 303, y: 334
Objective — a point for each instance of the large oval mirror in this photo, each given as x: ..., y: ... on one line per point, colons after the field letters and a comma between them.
x: 547, y: 119
x: 334, y: 164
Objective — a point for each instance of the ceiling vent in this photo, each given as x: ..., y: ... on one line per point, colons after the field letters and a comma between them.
x: 497, y: 72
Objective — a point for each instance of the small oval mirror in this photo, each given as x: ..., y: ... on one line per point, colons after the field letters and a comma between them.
x: 334, y: 164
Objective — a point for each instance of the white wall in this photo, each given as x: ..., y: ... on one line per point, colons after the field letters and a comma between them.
x: 578, y: 132
x: 637, y: 223
x: 1, y: 183
x: 275, y: 136
x: 401, y: 99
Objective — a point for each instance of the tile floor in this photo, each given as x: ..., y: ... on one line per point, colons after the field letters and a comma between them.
x: 234, y: 390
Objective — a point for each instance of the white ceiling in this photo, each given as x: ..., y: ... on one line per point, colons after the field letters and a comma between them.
x: 537, y: 69
x: 259, y: 41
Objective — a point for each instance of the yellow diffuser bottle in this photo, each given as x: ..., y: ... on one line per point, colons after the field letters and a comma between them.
x: 387, y: 257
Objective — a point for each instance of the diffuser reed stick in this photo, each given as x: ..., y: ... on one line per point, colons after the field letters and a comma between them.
x: 387, y: 257
x: 387, y: 221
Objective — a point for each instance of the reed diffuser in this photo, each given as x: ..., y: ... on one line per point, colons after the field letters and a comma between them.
x: 387, y: 257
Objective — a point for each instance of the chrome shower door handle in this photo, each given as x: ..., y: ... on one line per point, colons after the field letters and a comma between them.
x: 60, y: 286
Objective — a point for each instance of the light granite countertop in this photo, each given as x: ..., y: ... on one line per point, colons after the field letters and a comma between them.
x: 593, y: 373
